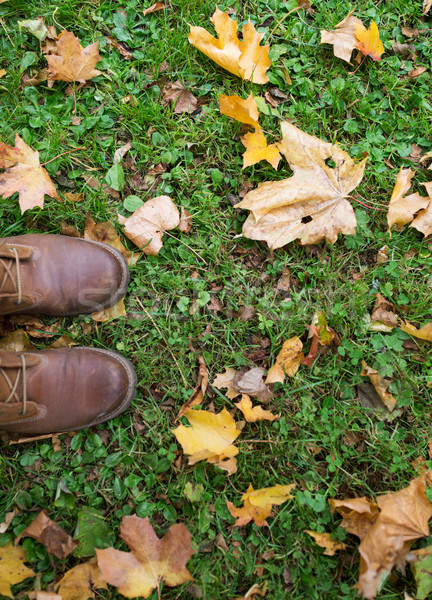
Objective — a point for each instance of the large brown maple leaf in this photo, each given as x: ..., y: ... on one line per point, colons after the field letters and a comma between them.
x: 311, y: 205
x: 24, y: 174
x: 72, y: 62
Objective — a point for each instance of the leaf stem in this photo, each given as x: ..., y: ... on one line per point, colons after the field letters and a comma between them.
x: 62, y: 154
x: 355, y: 70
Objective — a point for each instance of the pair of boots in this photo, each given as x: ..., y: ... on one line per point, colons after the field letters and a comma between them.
x: 64, y: 389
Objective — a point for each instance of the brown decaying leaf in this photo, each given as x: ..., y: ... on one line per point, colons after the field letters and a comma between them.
x: 8, y: 520
x: 322, y: 335
x: 185, y: 223
x: 72, y: 62
x: 254, y: 413
x: 80, y: 582
x: 154, y: 8
x: 224, y: 381
x: 383, y: 317
x: 380, y: 385
x: 359, y: 514
x: 414, y: 73
x: 326, y: 541
x: 424, y: 333
x: 245, y: 59
x: 184, y: 101
x: 34, y: 326
x: 151, y: 560
x: 210, y: 437
x: 24, y: 174
x: 125, y: 52
x: 423, y: 221
x: 98, y: 185
x: 146, y: 226
x: 106, y: 233
x: 258, y: 504
x: 427, y: 5
x: 312, y: 204
x: 16, y: 341
x: 402, y: 208
x: 251, y: 382
x: 403, y: 517
x: 12, y: 568
x: 287, y: 361
x: 254, y: 591
x: 121, y: 152
x: 35, y: 80
x: 50, y: 534
x: 197, y: 396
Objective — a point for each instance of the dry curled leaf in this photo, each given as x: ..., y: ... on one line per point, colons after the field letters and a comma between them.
x: 185, y: 223
x: 80, y: 582
x: 246, y: 58
x: 210, y: 437
x: 325, y: 540
x: 359, y: 514
x: 258, y: 504
x: 383, y: 317
x: 253, y: 591
x: 197, y: 396
x: 254, y: 413
x: 380, y: 385
x: 184, y: 100
x: 69, y: 61
x: 424, y: 333
x: 224, y: 381
x: 251, y: 382
x: 50, y: 534
x: 311, y: 205
x: 322, y: 336
x: 12, y: 568
x: 402, y: 208
x: 154, y: 8
x: 287, y: 361
x: 24, y: 174
x: 146, y: 226
x: 151, y: 560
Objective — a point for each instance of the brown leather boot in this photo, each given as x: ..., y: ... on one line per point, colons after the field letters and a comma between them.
x: 59, y: 275
x: 48, y: 391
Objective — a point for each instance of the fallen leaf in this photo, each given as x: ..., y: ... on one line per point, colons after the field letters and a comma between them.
x: 402, y: 208
x: 359, y: 514
x: 50, y: 534
x: 383, y: 317
x: 343, y: 37
x: 80, y: 582
x: 258, y: 504
x: 2, y: 73
x: 8, y: 520
x: 12, y: 568
x: 424, y: 333
x: 38, y: 595
x: 255, y: 590
x: 423, y: 221
x: 110, y: 313
x: 224, y: 381
x: 153, y: 8
x: 24, y: 174
x: 210, y: 437
x: 403, y: 517
x: 99, y: 186
x: 36, y: 27
x: 411, y: 32
x: 251, y: 382
x: 311, y: 204
x: 40, y: 76
x: 197, y: 396
x: 414, y: 73
x: 382, y: 255
x: 257, y: 149
x: 120, y: 152
x: 369, y: 42
x: 151, y: 560
x: 322, y: 335
x: 185, y: 223
x: 72, y: 197
x: 146, y: 226
x: 245, y: 111
x: 256, y: 413
x: 245, y: 59
x: 16, y: 341
x: 106, y: 234
x: 72, y: 62
x: 287, y: 361
x: 326, y: 541
x: 125, y: 52
x: 184, y: 101
x: 427, y: 5
x: 421, y: 567
x: 404, y: 50
x: 380, y: 385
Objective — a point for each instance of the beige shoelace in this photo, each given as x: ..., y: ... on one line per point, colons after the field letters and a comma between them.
x: 14, y: 386
x: 8, y: 273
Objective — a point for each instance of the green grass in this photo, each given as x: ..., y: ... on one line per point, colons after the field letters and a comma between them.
x: 325, y: 441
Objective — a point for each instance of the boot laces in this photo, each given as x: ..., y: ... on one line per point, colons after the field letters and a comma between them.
x: 13, y: 395
x: 8, y: 273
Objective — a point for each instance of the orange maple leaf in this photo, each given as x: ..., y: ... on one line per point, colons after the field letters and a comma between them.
x: 257, y: 504
x: 151, y: 560
x: 72, y: 62
x: 24, y: 174
x: 369, y: 42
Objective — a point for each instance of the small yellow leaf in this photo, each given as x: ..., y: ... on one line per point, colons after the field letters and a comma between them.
x: 257, y: 150
x: 287, y: 361
x: 369, y: 42
x: 257, y: 504
x: 244, y: 111
x: 12, y: 568
x: 256, y: 413
x: 424, y: 333
x: 402, y: 208
x: 326, y: 541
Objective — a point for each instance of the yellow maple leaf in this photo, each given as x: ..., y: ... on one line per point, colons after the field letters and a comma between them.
x: 69, y: 61
x: 369, y: 42
x: 287, y: 361
x: 24, y: 175
x: 254, y: 413
x: 80, y: 582
x: 12, y: 568
x: 257, y: 504
x: 244, y: 111
x: 210, y: 438
x: 151, y: 560
x: 257, y: 149
x: 311, y: 205
x: 246, y: 59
